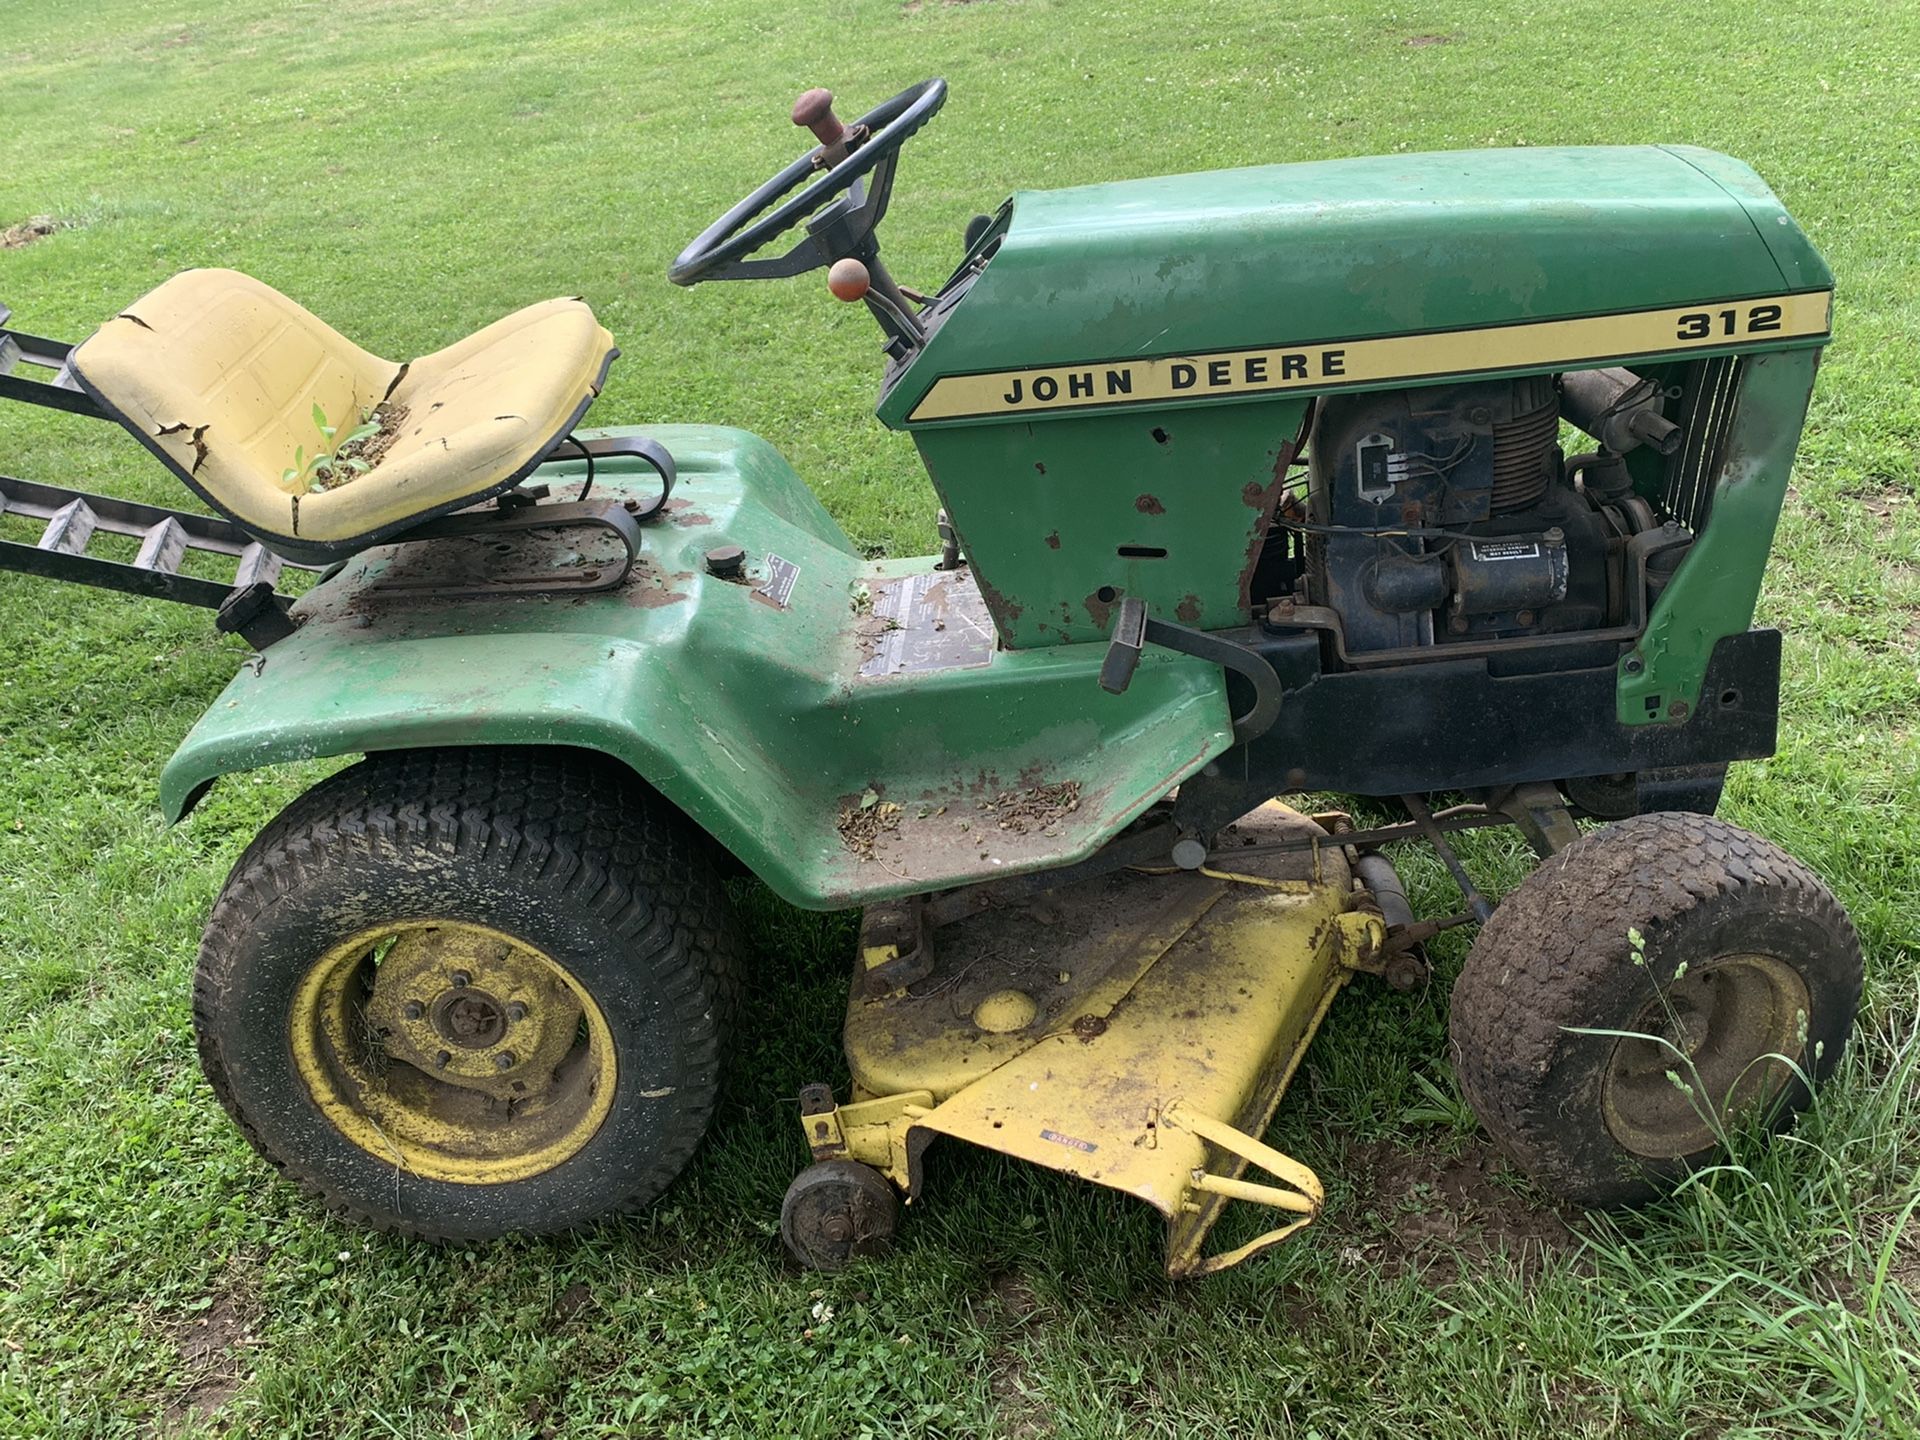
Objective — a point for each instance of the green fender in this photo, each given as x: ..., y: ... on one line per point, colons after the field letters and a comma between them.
x: 750, y: 714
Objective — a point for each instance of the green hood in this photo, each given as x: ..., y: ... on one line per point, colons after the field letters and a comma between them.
x: 1351, y: 249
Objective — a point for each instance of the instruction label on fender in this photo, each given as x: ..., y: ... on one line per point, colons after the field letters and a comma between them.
x: 778, y: 586
x: 931, y: 621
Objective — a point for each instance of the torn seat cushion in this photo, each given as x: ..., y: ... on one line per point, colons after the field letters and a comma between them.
x: 218, y: 375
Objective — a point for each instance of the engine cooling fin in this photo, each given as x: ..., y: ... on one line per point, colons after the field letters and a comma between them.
x: 1520, y: 449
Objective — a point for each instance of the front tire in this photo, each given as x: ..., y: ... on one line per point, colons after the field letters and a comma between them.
x: 1743, y: 955
x: 463, y: 993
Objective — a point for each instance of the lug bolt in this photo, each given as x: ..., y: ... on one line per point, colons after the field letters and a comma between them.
x: 516, y: 1011
x: 461, y: 979
x: 504, y: 1060
x: 443, y: 1058
x: 413, y: 1010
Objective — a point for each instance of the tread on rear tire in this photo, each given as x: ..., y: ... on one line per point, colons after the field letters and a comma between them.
x: 562, y: 854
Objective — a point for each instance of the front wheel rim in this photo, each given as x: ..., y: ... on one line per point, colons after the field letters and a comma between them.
x: 453, y: 1051
x: 1719, y: 1040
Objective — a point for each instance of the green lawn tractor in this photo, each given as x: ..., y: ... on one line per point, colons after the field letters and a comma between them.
x: 1443, y: 479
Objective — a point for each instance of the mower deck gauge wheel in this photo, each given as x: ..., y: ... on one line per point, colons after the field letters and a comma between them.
x: 836, y: 1212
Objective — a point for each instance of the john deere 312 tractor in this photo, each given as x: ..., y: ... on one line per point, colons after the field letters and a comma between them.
x: 1448, y: 479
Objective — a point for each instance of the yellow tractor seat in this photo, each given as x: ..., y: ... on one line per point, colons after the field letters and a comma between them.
x: 219, y: 376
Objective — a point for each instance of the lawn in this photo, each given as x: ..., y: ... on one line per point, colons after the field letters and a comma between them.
x: 411, y: 170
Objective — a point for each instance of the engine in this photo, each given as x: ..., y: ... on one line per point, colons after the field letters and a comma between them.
x: 1451, y: 515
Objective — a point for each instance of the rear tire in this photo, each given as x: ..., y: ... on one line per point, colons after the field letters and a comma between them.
x: 462, y: 993
x: 1746, y: 954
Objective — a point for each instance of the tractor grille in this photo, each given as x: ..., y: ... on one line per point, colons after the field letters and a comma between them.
x: 1520, y: 450
x: 1705, y: 419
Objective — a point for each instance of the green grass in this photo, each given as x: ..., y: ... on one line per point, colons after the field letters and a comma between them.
x: 411, y: 171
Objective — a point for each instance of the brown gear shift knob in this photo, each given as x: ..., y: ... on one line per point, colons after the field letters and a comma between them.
x: 814, y: 109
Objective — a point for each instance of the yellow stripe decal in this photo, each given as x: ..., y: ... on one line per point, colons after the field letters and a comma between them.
x: 1544, y: 344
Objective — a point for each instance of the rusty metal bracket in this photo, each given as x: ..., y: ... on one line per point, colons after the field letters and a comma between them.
x: 895, y: 950
x: 608, y: 515
x: 1541, y: 814
x: 877, y: 1132
x: 820, y: 1118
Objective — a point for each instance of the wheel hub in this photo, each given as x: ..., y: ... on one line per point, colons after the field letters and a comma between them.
x: 470, y: 1018
x: 454, y: 1050
x: 475, y: 1009
x: 1698, y: 1054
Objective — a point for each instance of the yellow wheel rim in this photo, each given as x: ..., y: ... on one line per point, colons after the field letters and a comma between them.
x: 1704, y: 1062
x: 453, y: 1051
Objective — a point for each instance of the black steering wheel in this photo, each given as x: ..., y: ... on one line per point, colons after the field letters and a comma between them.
x: 847, y: 155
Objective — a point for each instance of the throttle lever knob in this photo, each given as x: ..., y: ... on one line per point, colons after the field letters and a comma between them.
x: 849, y: 279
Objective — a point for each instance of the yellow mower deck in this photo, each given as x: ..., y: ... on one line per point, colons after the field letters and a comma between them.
x: 1136, y: 1030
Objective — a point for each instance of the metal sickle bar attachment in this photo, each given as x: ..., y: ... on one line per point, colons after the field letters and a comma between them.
x: 1134, y: 629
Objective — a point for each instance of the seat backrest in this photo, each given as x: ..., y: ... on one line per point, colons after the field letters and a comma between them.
x: 219, y: 375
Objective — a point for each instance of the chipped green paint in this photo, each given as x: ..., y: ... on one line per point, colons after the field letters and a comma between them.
x: 1169, y: 508
x: 1355, y: 249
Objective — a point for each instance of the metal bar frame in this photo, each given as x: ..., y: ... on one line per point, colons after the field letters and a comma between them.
x: 60, y: 393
